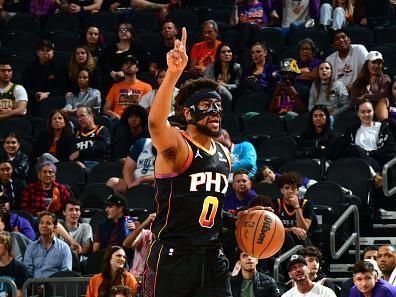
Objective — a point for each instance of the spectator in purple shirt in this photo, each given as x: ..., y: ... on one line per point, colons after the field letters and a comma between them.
x: 12, y: 222
x: 253, y: 12
x: 367, y: 282
x: 241, y: 193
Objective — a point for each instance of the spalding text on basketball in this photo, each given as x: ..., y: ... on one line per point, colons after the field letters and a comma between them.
x: 208, y: 181
x: 264, y: 228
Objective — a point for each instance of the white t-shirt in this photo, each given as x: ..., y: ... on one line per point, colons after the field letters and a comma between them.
x: 317, y: 291
x: 347, y: 70
x: 295, y: 11
x: 366, y: 137
x: 147, y: 100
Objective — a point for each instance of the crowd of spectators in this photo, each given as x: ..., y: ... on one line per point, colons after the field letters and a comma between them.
x: 117, y: 82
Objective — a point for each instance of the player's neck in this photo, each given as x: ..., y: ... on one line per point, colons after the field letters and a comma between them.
x: 202, y: 139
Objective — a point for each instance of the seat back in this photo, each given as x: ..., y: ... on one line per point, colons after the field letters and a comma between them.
x: 141, y: 197
x: 103, y: 171
x: 265, y: 125
x: 271, y: 190
x: 353, y: 174
x: 305, y: 167
x: 94, y: 195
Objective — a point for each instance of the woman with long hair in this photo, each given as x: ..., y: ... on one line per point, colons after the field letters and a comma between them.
x: 260, y: 76
x: 113, y: 56
x: 93, y: 40
x: 113, y: 274
x: 56, y: 142
x: 317, y: 140
x: 84, y: 95
x: 18, y: 159
x: 370, y: 140
x: 224, y: 70
x: 326, y: 91
x: 373, y: 84
x: 82, y: 59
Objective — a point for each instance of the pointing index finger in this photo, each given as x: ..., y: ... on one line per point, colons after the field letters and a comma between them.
x: 184, y: 36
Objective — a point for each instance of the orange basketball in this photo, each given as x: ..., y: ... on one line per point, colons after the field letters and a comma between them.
x: 260, y: 233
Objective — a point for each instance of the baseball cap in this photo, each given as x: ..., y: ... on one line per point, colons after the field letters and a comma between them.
x: 116, y: 199
x: 294, y: 259
x: 45, y: 43
x: 130, y: 58
x: 374, y: 55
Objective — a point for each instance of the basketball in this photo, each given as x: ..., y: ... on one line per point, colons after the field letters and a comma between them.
x: 260, y: 233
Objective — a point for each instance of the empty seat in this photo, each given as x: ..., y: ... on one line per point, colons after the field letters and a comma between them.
x: 263, y: 125
x: 320, y: 37
x: 45, y: 107
x: 146, y: 21
x: 277, y: 150
x: 298, y: 125
x: 19, y: 125
x: 65, y: 41
x: 361, y: 35
x: 106, y: 21
x: 103, y: 171
x: 23, y: 22
x: 251, y: 102
x: 141, y: 197
x: 71, y: 174
x: 62, y: 22
x: 272, y: 37
x: 305, y: 167
x: 184, y: 18
x: 94, y: 195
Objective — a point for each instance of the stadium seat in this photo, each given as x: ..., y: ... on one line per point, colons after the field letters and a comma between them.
x: 251, y: 102
x: 65, y: 41
x: 184, y: 18
x: 353, y: 174
x: 361, y: 35
x: 271, y: 190
x: 93, y: 265
x: 106, y: 21
x: 103, y: 171
x: 19, y: 63
x: 345, y: 121
x: 21, y: 44
x: 94, y: 195
x: 19, y: 125
x: 276, y: 151
x: 46, y: 106
x: 272, y: 37
x: 145, y: 21
x: 264, y: 125
x: 231, y: 123
x: 298, y: 125
x: 72, y: 174
x: 62, y: 22
x: 23, y: 22
x: 320, y: 37
x: 306, y: 167
x: 141, y: 197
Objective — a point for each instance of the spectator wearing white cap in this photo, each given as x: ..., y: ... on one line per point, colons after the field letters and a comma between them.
x: 299, y: 273
x: 373, y: 84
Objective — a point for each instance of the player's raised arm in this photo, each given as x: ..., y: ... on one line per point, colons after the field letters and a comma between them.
x: 162, y: 134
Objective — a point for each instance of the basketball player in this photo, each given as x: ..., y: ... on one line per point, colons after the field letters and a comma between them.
x: 191, y: 172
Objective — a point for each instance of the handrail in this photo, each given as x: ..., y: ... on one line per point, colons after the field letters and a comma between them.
x: 354, y: 237
x: 70, y: 279
x: 282, y: 258
x: 388, y: 192
x: 12, y: 285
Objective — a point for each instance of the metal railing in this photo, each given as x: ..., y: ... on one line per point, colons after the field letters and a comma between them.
x: 282, y: 258
x: 354, y: 237
x: 388, y: 192
x: 11, y: 285
x: 55, y: 286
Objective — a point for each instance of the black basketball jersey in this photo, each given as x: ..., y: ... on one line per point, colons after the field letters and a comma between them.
x: 189, y: 202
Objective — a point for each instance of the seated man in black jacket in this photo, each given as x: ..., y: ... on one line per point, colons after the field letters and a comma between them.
x: 250, y: 282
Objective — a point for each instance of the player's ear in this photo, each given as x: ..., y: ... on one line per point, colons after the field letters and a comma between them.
x: 187, y: 113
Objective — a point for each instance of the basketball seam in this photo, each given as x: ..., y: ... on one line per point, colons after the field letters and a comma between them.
x: 255, y: 231
x: 273, y: 233
x: 240, y: 235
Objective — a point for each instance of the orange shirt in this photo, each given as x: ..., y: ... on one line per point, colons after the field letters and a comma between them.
x: 203, y: 54
x: 124, y: 94
x: 96, y: 281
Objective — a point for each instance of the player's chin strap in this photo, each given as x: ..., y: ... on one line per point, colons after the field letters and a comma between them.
x: 193, y: 102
